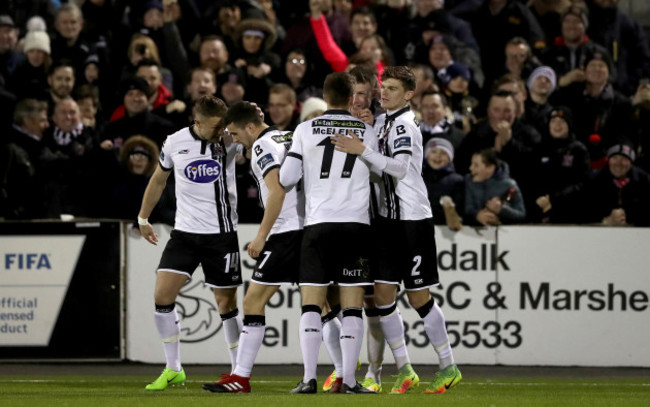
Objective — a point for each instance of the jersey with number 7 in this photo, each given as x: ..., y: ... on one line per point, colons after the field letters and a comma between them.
x: 336, y: 184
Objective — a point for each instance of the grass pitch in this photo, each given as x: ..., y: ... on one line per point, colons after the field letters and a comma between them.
x: 96, y: 390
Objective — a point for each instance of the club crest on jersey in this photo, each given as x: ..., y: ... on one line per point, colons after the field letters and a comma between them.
x: 402, y: 142
x: 262, y: 162
x: 203, y: 171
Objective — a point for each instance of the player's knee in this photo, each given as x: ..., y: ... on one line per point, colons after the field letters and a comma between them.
x: 254, y: 305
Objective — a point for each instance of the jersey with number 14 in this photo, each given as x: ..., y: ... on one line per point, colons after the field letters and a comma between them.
x: 406, y: 198
x: 269, y: 151
x: 336, y: 184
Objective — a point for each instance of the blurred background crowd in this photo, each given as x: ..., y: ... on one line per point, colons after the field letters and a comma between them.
x: 532, y: 111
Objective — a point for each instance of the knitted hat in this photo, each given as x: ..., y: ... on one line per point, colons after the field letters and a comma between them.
x: 457, y: 69
x: 564, y: 113
x: 153, y: 4
x: 601, y: 55
x: 135, y: 82
x: 6, y: 19
x: 37, y: 40
x: 311, y: 105
x: 545, y: 71
x: 622, y: 149
x: 438, y: 143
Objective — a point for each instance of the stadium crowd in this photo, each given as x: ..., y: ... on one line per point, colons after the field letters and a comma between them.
x: 531, y: 111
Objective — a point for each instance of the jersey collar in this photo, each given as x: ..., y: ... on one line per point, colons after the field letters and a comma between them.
x: 337, y: 111
x: 266, y: 130
x: 390, y: 117
x: 193, y: 134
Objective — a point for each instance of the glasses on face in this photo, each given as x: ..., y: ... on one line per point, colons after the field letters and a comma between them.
x: 297, y: 61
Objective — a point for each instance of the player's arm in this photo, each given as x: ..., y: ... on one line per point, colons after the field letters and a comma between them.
x: 151, y: 197
x: 396, y: 166
x: 291, y: 170
x: 272, y: 210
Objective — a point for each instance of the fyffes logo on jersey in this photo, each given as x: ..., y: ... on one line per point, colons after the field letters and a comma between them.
x: 203, y: 171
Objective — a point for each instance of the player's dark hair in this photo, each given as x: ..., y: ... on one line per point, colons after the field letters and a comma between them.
x: 403, y: 74
x: 241, y: 114
x: 362, y: 75
x: 338, y: 88
x: 209, y: 106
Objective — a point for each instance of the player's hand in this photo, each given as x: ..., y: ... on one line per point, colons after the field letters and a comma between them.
x: 148, y: 233
x: 364, y: 115
x: 259, y: 111
x: 255, y: 247
x: 349, y: 143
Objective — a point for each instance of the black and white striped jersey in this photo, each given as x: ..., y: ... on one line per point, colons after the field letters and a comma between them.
x: 406, y: 198
x: 206, y: 193
x: 269, y: 151
x: 336, y: 184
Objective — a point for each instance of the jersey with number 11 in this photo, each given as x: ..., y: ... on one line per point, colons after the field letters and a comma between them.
x: 336, y: 184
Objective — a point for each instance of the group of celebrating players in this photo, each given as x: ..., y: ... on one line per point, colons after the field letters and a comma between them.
x: 346, y: 217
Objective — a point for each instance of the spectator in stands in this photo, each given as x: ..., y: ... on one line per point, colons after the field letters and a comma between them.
x: 297, y: 75
x: 61, y: 79
x: 9, y: 58
x: 87, y: 97
x: 619, y: 194
x: 562, y: 168
x: 624, y: 39
x: 21, y: 187
x: 461, y: 103
x: 445, y: 50
x: 282, y: 107
x: 446, y: 188
x: 549, y: 15
x: 424, y: 82
x: 541, y: 84
x: 140, y: 48
x: 520, y: 60
x: 516, y: 86
x: 214, y: 55
x: 30, y: 77
x: 495, y: 23
x: 458, y: 27
x: 491, y: 196
x: 253, y: 41
x: 374, y: 47
x: 138, y: 160
x: 220, y: 21
x: 68, y: 42
x: 68, y: 165
x: 138, y: 118
x: 435, y: 120
x: 512, y: 140
x: 362, y: 25
x: 601, y: 114
x: 158, y: 94
x: 569, y: 53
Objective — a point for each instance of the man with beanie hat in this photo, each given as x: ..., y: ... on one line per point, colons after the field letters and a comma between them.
x: 624, y: 39
x: 541, y: 84
x: 619, y: 194
x: 561, y: 167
